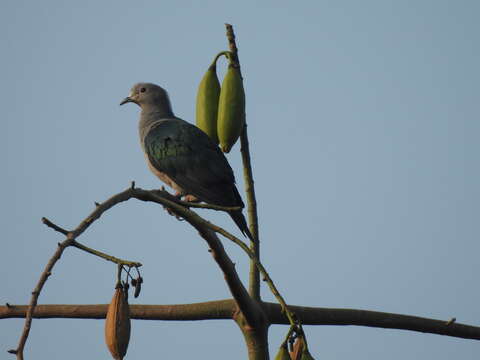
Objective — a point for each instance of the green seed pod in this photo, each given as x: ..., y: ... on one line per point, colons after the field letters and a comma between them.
x: 207, y: 102
x: 306, y: 355
x: 231, y: 108
x: 282, y: 353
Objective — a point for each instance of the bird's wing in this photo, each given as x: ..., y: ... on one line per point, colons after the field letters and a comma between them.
x: 188, y: 156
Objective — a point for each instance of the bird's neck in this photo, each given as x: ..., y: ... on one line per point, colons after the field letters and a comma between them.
x: 155, y: 113
x: 151, y: 116
x: 163, y: 110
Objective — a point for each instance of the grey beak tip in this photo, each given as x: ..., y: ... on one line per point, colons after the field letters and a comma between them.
x: 126, y: 100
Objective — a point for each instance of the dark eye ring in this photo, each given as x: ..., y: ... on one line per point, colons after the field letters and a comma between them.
x: 143, y: 90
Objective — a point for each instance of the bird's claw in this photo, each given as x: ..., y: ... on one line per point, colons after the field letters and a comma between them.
x: 191, y: 198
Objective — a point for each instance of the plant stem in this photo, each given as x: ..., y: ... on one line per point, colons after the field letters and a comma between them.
x: 254, y: 276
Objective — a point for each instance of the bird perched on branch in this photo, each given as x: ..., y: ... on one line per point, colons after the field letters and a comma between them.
x: 182, y: 155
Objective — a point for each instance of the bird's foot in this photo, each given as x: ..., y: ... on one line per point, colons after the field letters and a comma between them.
x: 186, y: 197
x: 191, y: 198
x: 179, y: 195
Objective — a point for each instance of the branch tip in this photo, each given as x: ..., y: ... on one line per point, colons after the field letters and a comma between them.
x: 12, y: 351
x: 54, y: 226
x: 132, y: 185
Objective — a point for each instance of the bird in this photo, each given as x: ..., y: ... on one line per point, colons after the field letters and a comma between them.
x: 183, y: 156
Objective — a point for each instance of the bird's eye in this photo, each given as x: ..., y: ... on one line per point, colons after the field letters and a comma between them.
x: 143, y: 90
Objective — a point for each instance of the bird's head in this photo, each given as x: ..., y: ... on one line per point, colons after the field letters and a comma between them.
x: 147, y: 95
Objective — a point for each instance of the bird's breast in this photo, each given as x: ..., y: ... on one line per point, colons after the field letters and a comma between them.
x: 164, y: 177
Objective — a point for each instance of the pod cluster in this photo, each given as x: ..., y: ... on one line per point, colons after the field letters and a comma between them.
x: 220, y: 110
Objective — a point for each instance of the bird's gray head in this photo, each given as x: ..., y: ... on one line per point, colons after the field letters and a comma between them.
x: 149, y: 97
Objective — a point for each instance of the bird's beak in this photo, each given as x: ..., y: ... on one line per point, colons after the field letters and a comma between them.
x: 127, y: 100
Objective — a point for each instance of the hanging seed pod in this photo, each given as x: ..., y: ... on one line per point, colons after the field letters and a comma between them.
x: 117, y: 324
x: 282, y: 353
x: 231, y: 108
x: 138, y: 286
x: 306, y: 354
x: 297, y: 350
x: 207, y: 101
x: 300, y: 349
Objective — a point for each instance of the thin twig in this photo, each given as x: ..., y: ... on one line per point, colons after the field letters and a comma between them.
x: 54, y: 226
x: 89, y: 250
x: 106, y: 256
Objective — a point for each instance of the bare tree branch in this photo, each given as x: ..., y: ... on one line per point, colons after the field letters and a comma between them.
x: 34, y: 298
x: 224, y: 309
x: 211, y: 310
x: 249, y: 308
x: 330, y: 316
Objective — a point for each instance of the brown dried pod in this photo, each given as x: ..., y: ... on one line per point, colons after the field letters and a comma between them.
x: 117, y: 324
x: 138, y: 288
x: 296, y: 353
x: 300, y: 349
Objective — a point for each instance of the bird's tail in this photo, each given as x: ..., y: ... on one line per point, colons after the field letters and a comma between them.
x: 241, y: 222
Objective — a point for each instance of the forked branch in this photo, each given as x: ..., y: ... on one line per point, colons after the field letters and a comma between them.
x: 249, y: 308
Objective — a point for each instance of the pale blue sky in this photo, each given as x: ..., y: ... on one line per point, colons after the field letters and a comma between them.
x: 364, y: 126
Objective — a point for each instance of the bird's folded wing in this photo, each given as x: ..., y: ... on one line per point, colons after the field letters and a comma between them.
x: 192, y: 160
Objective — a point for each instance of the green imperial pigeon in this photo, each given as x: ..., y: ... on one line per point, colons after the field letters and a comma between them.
x: 182, y: 155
